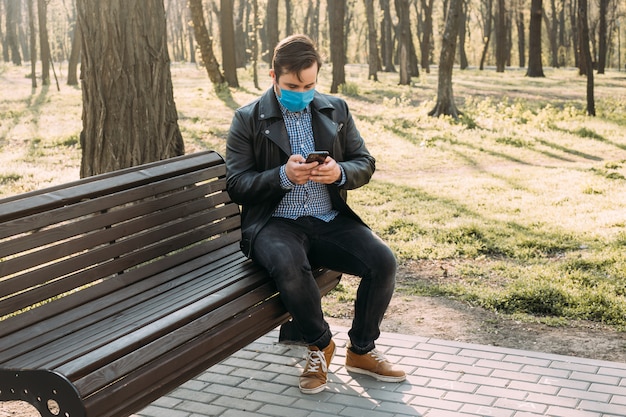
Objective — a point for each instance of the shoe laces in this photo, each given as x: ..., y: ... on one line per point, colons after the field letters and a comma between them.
x: 379, y: 357
x: 315, y: 358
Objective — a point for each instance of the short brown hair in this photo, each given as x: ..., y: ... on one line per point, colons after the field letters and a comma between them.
x: 294, y: 54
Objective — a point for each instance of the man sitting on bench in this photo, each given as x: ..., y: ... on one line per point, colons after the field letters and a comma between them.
x: 294, y: 210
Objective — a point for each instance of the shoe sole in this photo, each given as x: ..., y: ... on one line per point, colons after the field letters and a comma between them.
x: 378, y: 377
x: 321, y: 387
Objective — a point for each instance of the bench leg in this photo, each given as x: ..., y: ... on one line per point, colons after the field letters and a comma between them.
x: 50, y: 393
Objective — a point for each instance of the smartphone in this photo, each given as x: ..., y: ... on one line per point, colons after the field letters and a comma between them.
x: 317, y: 156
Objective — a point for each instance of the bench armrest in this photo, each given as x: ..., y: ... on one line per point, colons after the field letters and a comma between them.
x: 49, y: 392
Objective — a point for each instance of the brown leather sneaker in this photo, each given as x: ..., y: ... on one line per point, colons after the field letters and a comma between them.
x: 374, y: 364
x: 313, y: 378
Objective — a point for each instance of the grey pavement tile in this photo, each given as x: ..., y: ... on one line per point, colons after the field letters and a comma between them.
x: 444, y: 379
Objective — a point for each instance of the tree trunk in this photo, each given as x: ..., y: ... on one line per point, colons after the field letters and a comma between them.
x: 501, y: 37
x: 311, y: 21
x: 190, y: 35
x: 33, y: 44
x: 129, y: 115
x: 427, y: 33
x: 535, y: 67
x: 552, y: 27
x: 227, y: 36
x: 521, y: 40
x: 206, y: 44
x: 288, y: 13
x: 462, y: 36
x: 402, y: 9
x: 372, y: 39
x: 386, y: 37
x: 241, y: 35
x: 585, y: 54
x: 445, y: 98
x: 487, y: 23
x: 13, y: 11
x: 271, y: 28
x: 336, y: 16
x: 254, y: 41
x: 72, y: 66
x: 573, y: 14
x: 602, y: 34
x: 42, y: 11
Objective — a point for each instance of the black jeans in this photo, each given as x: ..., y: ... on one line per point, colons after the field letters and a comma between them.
x: 287, y: 249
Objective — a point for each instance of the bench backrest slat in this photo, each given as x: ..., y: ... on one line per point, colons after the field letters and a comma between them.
x: 52, y: 222
x: 97, y: 230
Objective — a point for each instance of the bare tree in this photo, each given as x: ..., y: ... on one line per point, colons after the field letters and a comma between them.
x: 386, y: 38
x: 227, y: 35
x: 336, y: 16
x: 312, y: 20
x: 13, y: 16
x: 462, y: 36
x: 42, y: 14
x: 445, y: 98
x: 254, y: 41
x: 72, y: 65
x: 404, y: 40
x: 206, y: 44
x: 552, y: 27
x: 501, y: 49
x: 288, y: 13
x: 33, y: 43
x: 535, y: 67
x: 602, y: 35
x: 487, y: 17
x: 242, y: 38
x: 129, y: 114
x: 426, y: 17
x: 372, y: 56
x: 585, y: 55
x: 271, y: 27
x: 521, y: 30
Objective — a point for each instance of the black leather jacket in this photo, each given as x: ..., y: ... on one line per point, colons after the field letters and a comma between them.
x: 258, y: 145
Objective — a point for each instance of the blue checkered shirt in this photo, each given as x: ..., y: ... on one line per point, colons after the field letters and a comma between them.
x: 312, y: 198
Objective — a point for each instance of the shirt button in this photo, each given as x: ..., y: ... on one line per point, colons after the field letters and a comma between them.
x: 262, y: 115
x: 267, y: 132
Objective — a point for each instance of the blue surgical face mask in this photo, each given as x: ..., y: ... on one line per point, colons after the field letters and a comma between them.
x: 296, y: 101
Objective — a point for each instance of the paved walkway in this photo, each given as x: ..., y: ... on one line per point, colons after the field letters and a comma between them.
x: 445, y: 379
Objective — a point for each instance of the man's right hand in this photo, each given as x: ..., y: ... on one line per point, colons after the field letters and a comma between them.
x: 297, y: 170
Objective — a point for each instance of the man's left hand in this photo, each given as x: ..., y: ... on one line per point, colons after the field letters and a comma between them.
x: 326, y: 173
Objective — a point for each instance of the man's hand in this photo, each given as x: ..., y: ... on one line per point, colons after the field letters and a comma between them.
x: 299, y: 172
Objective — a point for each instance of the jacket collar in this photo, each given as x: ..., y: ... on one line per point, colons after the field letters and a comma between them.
x: 324, y: 128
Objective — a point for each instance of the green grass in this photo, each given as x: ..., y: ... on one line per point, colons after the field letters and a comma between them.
x: 524, y: 195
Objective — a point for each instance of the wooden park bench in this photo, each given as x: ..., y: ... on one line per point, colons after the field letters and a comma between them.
x: 116, y: 289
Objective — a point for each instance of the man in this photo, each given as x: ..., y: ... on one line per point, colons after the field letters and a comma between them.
x: 294, y: 213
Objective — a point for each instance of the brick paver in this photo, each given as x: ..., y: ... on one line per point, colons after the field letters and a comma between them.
x: 444, y: 379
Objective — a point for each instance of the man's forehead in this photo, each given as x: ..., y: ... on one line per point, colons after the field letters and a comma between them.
x: 306, y: 76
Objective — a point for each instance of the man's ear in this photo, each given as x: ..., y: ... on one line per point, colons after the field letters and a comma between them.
x: 273, y: 75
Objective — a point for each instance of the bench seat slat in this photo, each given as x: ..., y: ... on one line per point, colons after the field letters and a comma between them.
x: 93, y: 298
x: 126, y: 311
x: 112, y: 259
x: 208, y: 348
